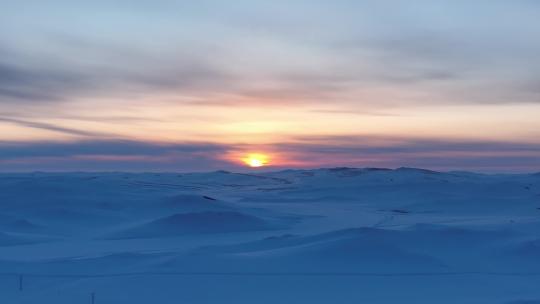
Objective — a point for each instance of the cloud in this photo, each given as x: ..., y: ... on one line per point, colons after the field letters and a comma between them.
x: 23, y: 84
x: 36, y: 83
x: 110, y: 155
x: 258, y: 52
x: 387, y: 151
x: 313, y: 152
x: 11, y: 150
x: 377, y: 144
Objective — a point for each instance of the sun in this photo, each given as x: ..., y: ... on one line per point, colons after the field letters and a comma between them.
x: 256, y: 160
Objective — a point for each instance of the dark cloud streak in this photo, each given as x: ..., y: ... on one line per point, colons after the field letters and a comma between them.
x: 52, y: 127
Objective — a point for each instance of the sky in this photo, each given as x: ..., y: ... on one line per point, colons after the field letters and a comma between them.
x: 196, y: 85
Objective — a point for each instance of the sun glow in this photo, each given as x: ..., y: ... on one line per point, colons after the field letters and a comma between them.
x: 256, y: 160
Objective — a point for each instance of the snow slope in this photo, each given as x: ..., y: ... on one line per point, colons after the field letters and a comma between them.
x: 341, y: 235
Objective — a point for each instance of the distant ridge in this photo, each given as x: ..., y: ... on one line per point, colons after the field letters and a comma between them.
x: 365, y: 169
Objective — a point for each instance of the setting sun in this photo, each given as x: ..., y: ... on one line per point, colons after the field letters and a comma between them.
x: 256, y: 160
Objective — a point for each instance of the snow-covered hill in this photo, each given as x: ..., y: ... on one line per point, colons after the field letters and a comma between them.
x: 340, y: 235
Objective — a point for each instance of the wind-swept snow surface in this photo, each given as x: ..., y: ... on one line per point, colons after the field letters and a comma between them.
x: 336, y: 235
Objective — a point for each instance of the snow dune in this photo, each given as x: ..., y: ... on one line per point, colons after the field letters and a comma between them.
x: 196, y: 223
